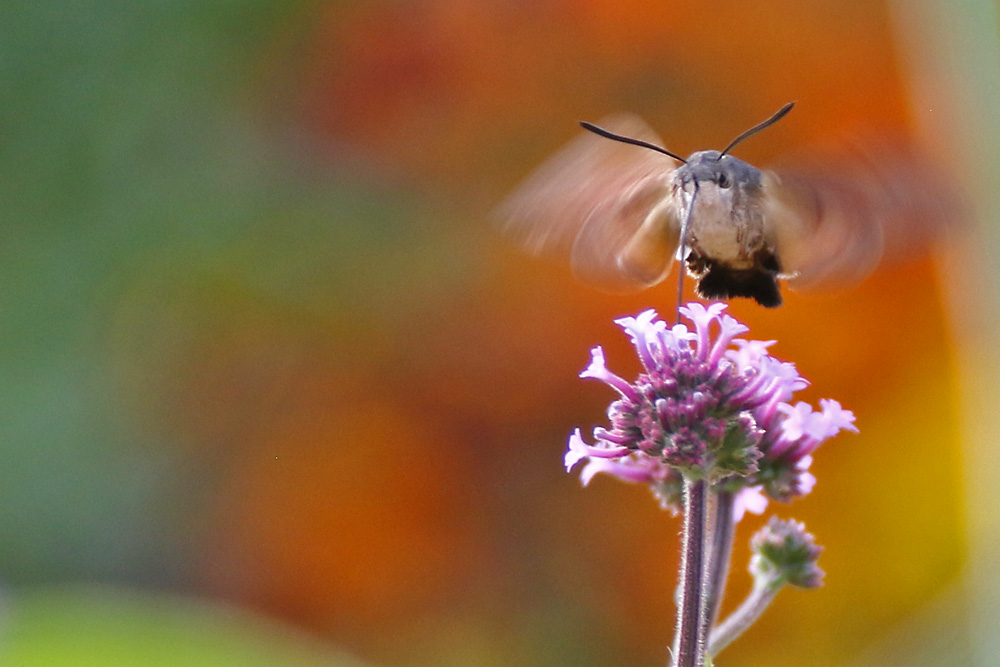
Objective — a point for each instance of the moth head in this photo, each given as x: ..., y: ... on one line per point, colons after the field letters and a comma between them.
x: 723, y: 171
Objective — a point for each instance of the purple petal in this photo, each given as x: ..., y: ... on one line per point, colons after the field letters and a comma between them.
x: 702, y: 317
x: 635, y: 473
x: 835, y: 418
x: 681, y: 333
x: 805, y: 483
x: 643, y: 330
x: 579, y: 449
x: 798, y: 420
x: 599, y: 371
x: 729, y: 328
x: 749, y: 354
x: 749, y: 499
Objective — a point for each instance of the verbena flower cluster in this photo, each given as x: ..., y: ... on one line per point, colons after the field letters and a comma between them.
x: 708, y: 405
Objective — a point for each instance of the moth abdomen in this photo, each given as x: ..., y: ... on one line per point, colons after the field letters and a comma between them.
x: 723, y: 282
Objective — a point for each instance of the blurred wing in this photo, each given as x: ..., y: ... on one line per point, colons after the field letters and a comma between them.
x: 603, y: 205
x: 832, y: 220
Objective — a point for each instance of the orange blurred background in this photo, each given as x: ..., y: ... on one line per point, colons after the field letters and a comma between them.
x: 263, y: 347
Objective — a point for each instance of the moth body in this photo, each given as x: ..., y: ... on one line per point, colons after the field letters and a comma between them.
x: 622, y: 209
x: 727, y: 245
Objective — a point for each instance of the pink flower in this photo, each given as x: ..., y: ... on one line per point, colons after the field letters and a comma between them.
x: 792, y: 434
x: 707, y: 404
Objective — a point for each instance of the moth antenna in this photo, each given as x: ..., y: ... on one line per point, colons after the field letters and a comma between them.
x: 682, y: 250
x: 757, y: 128
x: 628, y: 140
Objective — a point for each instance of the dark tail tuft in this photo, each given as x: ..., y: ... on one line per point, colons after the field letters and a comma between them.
x: 721, y: 282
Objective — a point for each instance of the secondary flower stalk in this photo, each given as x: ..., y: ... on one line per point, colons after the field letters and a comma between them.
x: 783, y: 553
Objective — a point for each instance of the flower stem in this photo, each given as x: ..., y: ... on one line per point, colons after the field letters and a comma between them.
x: 691, y: 610
x: 722, y: 549
x: 741, y: 619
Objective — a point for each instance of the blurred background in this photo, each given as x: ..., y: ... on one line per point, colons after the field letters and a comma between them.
x: 275, y: 392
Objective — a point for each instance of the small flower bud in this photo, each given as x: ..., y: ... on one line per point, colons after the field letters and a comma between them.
x: 783, y: 552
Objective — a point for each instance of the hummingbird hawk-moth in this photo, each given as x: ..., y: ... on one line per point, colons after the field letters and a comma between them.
x: 623, y: 208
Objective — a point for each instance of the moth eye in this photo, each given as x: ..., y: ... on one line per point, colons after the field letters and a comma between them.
x: 724, y: 181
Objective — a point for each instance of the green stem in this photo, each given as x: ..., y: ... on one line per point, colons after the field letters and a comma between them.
x: 741, y: 619
x: 691, y: 610
x: 721, y: 554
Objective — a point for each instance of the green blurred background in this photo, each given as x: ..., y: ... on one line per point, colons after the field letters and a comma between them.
x: 274, y: 392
